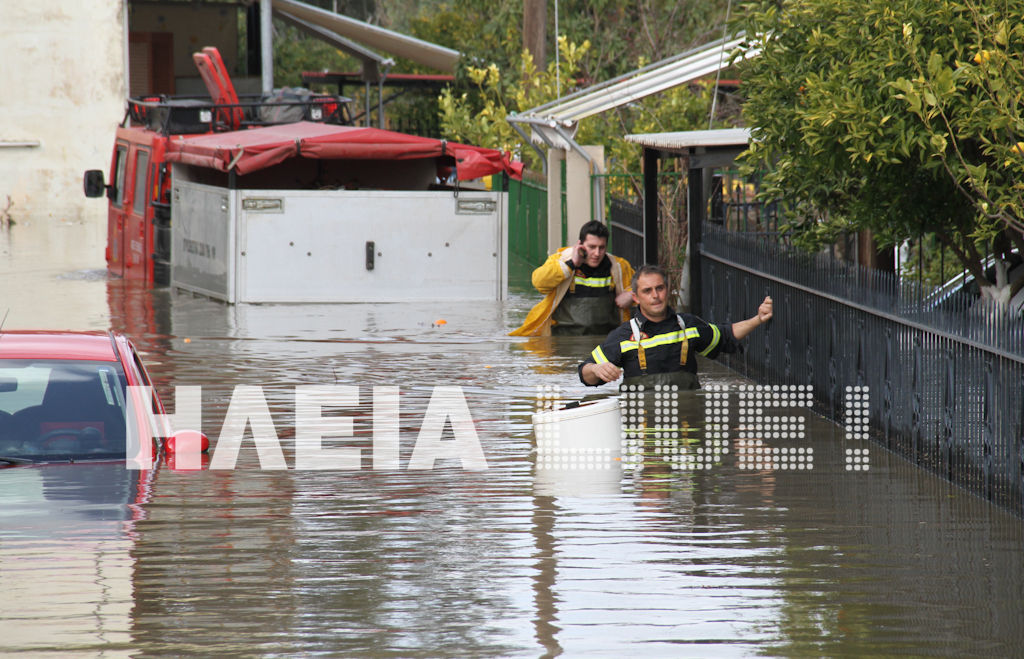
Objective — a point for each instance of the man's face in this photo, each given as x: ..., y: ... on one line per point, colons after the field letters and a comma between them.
x: 651, y: 295
x: 595, y: 248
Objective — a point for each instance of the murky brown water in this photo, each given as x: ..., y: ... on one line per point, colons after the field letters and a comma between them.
x: 511, y: 561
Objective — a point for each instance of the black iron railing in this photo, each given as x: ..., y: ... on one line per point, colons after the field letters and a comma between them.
x: 944, y: 378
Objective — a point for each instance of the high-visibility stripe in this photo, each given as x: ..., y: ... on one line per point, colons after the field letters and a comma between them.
x: 684, y: 346
x: 716, y: 335
x: 659, y: 340
x: 598, y: 356
x: 593, y: 282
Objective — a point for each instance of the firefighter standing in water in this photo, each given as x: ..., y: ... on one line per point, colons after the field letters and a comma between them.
x: 660, y: 347
x: 586, y: 289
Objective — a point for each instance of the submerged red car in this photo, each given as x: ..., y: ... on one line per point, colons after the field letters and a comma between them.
x: 64, y: 397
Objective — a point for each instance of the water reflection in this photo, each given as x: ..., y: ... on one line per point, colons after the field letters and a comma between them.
x: 511, y: 561
x: 67, y: 569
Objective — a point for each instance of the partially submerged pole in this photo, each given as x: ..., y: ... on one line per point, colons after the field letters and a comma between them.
x: 266, y: 46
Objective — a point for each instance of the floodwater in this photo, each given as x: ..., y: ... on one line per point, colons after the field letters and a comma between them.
x: 514, y: 560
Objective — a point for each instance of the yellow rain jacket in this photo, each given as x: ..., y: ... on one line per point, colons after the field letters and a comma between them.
x: 553, y: 279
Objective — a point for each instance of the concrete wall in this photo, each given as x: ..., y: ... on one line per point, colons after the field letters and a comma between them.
x: 63, y: 87
x: 582, y: 202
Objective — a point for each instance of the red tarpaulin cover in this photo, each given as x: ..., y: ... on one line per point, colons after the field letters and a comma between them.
x: 252, y: 150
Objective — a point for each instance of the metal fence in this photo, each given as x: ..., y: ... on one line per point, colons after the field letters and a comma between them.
x: 944, y: 380
x: 626, y: 219
x: 527, y: 227
x: 734, y: 204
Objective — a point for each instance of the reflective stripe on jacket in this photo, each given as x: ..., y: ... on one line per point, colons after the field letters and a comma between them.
x: 553, y: 279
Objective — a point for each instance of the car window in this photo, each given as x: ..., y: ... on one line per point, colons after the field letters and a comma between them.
x: 29, y: 381
x: 27, y: 385
x: 62, y: 409
x: 145, y: 379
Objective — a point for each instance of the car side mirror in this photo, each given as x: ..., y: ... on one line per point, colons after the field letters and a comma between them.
x: 8, y: 384
x: 186, y: 450
x: 185, y: 441
x: 93, y: 183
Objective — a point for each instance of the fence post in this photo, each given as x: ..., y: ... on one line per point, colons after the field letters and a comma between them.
x: 650, y: 206
x: 695, y: 225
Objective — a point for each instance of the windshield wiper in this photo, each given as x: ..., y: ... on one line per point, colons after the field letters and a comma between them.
x: 15, y: 461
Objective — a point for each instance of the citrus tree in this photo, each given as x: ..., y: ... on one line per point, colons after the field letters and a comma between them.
x: 897, y: 116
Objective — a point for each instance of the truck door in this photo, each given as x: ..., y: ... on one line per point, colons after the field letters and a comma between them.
x: 115, y: 213
x: 135, y: 226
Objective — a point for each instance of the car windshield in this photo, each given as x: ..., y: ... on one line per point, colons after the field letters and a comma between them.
x: 59, y: 410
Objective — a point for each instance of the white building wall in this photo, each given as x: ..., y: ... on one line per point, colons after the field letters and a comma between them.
x: 63, y: 82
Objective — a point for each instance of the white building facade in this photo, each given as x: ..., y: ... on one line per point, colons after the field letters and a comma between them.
x: 64, y: 88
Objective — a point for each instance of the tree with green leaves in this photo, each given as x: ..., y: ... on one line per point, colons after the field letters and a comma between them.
x: 599, y: 40
x: 901, y: 117
x: 474, y: 110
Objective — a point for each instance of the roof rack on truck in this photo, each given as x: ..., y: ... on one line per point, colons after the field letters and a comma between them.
x: 139, y: 187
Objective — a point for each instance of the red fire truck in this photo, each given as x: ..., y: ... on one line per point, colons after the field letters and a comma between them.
x: 139, y: 215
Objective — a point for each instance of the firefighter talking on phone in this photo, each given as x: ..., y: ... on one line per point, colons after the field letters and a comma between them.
x: 586, y: 289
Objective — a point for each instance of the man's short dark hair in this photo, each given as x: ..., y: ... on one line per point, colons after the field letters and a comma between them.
x: 593, y: 228
x: 648, y: 269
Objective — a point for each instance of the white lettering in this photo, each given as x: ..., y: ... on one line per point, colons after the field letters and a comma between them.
x: 385, y: 428
x: 311, y: 428
x: 447, y: 403
x: 248, y: 406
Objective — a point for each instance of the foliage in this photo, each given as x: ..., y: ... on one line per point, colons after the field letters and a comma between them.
x: 599, y: 40
x: 478, y: 115
x: 619, y: 31
x: 889, y: 115
x: 482, y: 32
x: 296, y: 52
x: 973, y: 108
x: 479, y: 118
x: 623, y: 31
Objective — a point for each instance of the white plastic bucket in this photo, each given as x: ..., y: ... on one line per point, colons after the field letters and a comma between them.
x: 588, y: 428
x: 579, y: 450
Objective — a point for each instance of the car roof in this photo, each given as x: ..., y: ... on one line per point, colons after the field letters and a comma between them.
x: 28, y: 344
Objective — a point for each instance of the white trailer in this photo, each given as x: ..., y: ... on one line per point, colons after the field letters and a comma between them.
x: 337, y: 245
x: 295, y: 230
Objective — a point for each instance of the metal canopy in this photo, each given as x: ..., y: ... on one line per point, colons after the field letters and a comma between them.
x: 706, y: 148
x: 417, y: 50
x: 689, y: 139
x: 374, y: 66
x: 555, y: 123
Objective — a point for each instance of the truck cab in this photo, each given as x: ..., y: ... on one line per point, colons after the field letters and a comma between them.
x: 139, y: 179
x: 138, y: 216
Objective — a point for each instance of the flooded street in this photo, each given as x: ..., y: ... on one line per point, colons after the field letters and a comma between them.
x: 513, y: 560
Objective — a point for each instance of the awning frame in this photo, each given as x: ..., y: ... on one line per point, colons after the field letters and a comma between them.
x: 555, y: 123
x: 566, y: 112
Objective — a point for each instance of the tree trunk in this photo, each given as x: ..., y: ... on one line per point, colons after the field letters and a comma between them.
x: 870, y: 256
x: 535, y: 21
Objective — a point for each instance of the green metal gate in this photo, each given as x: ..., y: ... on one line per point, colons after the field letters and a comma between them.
x: 527, y: 229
